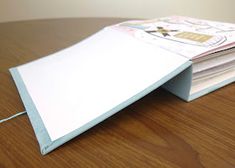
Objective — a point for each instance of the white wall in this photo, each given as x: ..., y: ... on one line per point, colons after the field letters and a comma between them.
x: 11, y: 10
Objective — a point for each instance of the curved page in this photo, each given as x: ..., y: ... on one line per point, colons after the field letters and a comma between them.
x: 78, y: 87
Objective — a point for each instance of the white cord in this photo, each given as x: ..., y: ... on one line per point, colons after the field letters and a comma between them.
x: 13, y: 116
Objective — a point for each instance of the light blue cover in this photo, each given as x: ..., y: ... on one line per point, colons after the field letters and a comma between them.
x: 180, y: 85
x: 45, y: 143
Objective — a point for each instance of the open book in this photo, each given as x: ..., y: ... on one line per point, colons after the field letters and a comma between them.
x: 70, y: 91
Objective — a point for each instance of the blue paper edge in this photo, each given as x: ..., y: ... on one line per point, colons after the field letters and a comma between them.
x: 180, y: 85
x: 45, y: 143
x: 35, y: 119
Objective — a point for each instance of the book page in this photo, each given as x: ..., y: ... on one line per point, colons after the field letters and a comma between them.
x: 74, y: 86
x: 185, y: 36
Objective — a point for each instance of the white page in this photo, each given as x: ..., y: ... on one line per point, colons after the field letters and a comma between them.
x: 74, y: 86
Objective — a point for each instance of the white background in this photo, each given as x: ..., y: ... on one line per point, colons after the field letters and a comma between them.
x: 221, y: 10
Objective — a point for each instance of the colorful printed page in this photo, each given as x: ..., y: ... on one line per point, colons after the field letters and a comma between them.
x: 77, y: 85
x: 185, y: 36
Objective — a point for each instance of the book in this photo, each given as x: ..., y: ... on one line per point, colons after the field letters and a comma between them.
x: 72, y: 90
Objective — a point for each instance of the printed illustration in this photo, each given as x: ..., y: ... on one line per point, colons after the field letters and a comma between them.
x: 180, y: 30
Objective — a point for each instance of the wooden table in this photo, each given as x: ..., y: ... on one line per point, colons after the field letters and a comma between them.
x: 160, y: 130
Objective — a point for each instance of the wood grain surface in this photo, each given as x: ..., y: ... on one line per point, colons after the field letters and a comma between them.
x: 160, y: 130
